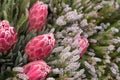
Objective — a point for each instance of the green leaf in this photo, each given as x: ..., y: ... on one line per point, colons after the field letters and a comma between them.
x: 22, y: 20
x: 24, y: 5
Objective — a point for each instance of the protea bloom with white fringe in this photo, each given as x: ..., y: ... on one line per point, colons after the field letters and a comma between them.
x: 37, y: 16
x: 37, y: 70
x: 8, y: 36
x: 40, y: 47
x: 82, y: 45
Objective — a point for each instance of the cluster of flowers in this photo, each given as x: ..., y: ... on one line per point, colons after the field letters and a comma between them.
x: 82, y: 20
x: 39, y: 48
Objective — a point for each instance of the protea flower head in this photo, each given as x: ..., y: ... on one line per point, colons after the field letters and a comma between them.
x: 8, y: 36
x: 82, y: 45
x: 37, y: 16
x: 40, y: 47
x: 36, y: 70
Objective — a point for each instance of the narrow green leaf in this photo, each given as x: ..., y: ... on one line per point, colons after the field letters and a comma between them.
x: 22, y: 20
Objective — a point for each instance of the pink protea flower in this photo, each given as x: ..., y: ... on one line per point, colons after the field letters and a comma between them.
x: 82, y: 45
x: 40, y: 46
x: 37, y: 16
x: 8, y: 36
x: 37, y: 70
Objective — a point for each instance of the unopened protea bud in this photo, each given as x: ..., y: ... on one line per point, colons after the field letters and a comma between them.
x: 8, y: 36
x: 37, y: 70
x: 40, y: 46
x: 37, y: 16
x: 82, y: 45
